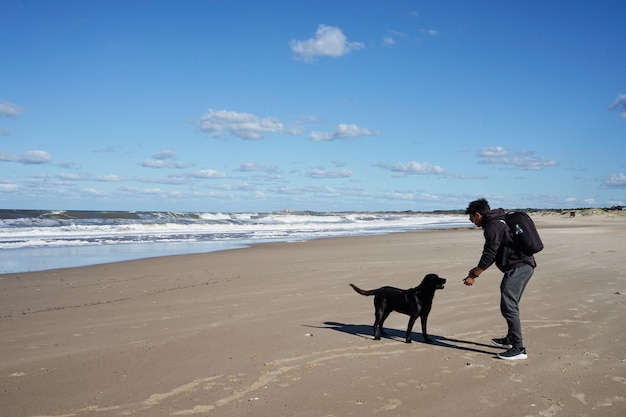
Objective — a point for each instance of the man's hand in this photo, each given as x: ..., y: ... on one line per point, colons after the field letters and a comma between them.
x: 472, y: 275
x: 469, y: 281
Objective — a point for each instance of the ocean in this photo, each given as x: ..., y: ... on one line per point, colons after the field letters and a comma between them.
x: 36, y: 240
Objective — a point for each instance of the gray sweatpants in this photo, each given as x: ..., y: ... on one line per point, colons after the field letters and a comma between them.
x: 511, y: 290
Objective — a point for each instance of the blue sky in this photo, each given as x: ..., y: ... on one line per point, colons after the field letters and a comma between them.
x: 320, y: 105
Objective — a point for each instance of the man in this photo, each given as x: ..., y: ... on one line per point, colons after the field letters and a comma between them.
x: 517, y: 268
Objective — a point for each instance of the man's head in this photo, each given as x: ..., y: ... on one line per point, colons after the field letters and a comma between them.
x: 476, y: 210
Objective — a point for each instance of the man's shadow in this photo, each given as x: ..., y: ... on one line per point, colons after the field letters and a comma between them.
x: 366, y: 331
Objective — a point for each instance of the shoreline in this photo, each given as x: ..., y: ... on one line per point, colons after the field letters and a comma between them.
x: 159, y: 258
x: 42, y: 243
x: 275, y: 329
x: 33, y: 259
x: 100, y: 255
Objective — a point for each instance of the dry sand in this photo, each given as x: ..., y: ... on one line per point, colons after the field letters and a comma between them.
x: 275, y: 330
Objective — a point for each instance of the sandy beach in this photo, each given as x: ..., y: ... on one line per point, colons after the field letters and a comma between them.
x: 275, y: 330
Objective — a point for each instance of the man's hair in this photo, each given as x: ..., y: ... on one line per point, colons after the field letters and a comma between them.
x: 478, y: 206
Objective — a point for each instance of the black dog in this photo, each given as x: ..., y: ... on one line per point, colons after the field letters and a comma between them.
x: 415, y: 302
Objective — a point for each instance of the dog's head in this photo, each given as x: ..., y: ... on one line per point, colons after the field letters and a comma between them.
x: 434, y: 281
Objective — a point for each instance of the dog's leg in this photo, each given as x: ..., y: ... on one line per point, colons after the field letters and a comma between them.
x: 381, y: 315
x: 382, y: 320
x: 377, y: 321
x: 376, y: 330
x: 409, y: 329
x: 424, y: 319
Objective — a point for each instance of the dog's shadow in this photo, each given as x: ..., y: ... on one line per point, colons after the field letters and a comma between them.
x: 365, y: 331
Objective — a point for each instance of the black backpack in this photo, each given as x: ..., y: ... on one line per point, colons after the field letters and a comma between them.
x: 525, y: 236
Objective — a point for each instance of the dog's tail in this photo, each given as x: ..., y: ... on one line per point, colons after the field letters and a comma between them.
x: 363, y: 292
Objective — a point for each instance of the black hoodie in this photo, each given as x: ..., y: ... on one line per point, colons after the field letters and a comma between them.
x: 499, y: 244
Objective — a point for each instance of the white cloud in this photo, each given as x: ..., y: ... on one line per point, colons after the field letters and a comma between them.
x: 344, y: 131
x: 5, y: 188
x: 268, y: 172
x: 493, y: 152
x: 414, y: 167
x: 243, y: 125
x: 93, y: 192
x: 164, y: 159
x: 35, y: 157
x: 497, y: 155
x: 169, y: 180
x: 9, y: 109
x: 69, y: 176
x: 66, y: 176
x: 620, y: 105
x: 431, y: 32
x: 321, y: 191
x: 164, y: 155
x: 328, y: 41
x: 253, y: 167
x: 472, y: 177
x: 135, y: 191
x: 388, y: 41
x: 163, y: 164
x: 209, y: 173
x: 616, y: 180
x: 323, y: 173
x: 401, y: 35
x: 27, y: 158
x: 295, y: 129
x: 108, y: 178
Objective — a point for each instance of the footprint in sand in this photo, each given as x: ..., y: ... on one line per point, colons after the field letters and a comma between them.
x: 609, y: 402
x: 580, y: 397
x: 554, y: 408
x: 392, y: 403
x: 619, y: 379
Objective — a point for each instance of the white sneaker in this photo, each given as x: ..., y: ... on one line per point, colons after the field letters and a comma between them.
x: 513, y: 354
